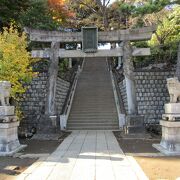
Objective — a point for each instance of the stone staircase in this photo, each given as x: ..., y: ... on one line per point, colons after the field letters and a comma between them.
x: 94, y: 106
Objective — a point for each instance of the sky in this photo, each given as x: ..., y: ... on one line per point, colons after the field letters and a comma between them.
x: 112, y: 1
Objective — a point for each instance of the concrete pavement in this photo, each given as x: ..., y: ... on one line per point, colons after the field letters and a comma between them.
x: 85, y: 155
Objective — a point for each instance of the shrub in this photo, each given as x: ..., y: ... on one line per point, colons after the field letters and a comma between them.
x: 15, y: 60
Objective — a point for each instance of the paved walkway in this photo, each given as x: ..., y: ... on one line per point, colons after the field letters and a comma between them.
x: 86, y: 155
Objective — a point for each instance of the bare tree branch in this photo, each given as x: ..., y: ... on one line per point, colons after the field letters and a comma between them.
x: 99, y: 3
x: 107, y: 3
x: 85, y: 4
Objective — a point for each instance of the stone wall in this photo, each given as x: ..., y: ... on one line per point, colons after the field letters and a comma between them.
x: 62, y: 88
x: 33, y: 101
x: 152, y: 93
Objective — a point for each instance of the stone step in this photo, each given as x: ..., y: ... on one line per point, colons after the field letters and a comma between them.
x: 92, y: 97
x: 92, y: 116
x: 93, y: 125
x: 93, y: 106
x: 89, y: 123
x: 95, y: 100
x: 86, y: 102
x: 99, y: 102
x: 93, y: 128
x: 96, y: 109
x: 78, y: 120
x: 110, y: 106
x: 92, y: 102
x: 92, y: 111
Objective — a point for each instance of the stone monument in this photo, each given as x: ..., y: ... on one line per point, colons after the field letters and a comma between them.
x: 170, y: 142
x: 9, y: 143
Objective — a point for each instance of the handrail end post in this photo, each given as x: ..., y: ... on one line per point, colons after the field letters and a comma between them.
x: 63, y: 122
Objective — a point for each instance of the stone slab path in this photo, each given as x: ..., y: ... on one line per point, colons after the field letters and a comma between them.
x: 85, y: 155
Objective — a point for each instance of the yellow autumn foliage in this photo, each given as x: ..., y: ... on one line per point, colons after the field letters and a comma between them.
x: 15, y: 60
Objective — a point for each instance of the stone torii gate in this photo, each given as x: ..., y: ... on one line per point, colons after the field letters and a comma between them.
x: 54, y: 53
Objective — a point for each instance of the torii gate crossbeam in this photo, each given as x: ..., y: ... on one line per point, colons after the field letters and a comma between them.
x: 144, y: 33
x: 80, y: 54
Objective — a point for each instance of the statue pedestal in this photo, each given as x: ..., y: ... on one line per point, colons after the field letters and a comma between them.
x: 9, y: 143
x: 7, y: 114
x: 172, y: 112
x: 6, y: 110
x: 170, y: 142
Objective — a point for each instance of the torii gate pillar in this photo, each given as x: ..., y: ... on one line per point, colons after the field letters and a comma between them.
x: 129, y: 78
x: 48, y: 122
x: 52, y: 72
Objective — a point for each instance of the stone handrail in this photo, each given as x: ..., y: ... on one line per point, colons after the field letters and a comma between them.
x: 118, y: 99
x: 67, y: 107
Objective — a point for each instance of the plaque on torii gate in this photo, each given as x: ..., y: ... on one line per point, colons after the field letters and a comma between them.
x: 89, y: 39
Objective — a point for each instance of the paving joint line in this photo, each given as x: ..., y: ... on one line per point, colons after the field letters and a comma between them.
x: 95, y: 157
x: 109, y: 155
x: 78, y: 155
x: 62, y: 155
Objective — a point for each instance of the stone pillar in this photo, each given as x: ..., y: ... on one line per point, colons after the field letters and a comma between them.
x: 113, y: 45
x: 48, y: 123
x: 129, y: 78
x: 70, y: 63
x: 119, y: 62
x: 52, y: 72
x: 178, y: 64
x: 134, y: 122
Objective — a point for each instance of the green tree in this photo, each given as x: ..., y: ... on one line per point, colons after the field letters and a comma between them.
x: 10, y: 10
x: 119, y: 15
x: 168, y: 30
x: 90, y: 12
x: 15, y: 61
x: 38, y: 16
x: 164, y: 42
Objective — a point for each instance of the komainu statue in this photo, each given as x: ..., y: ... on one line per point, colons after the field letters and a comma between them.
x: 5, y: 89
x: 173, y: 86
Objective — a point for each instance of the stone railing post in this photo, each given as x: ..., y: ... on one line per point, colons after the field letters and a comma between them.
x: 70, y: 63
